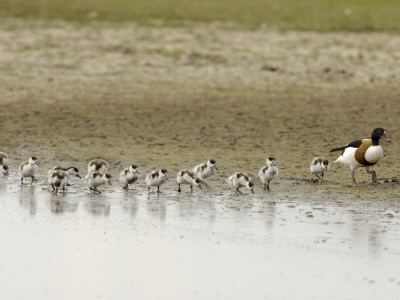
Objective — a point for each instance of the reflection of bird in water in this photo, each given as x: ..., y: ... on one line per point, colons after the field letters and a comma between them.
x: 60, y: 205
x: 27, y: 199
x: 363, y: 153
x: 100, y: 206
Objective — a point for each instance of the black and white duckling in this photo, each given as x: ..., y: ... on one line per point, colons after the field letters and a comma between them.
x: 98, y: 165
x: 3, y: 158
x: 96, y: 178
x: 188, y: 177
x: 156, y: 178
x: 3, y: 163
x: 58, y: 180
x: 71, y: 171
x: 363, y: 153
x: 28, y: 169
x: 319, y: 166
x: 129, y: 176
x: 268, y: 172
x: 238, y: 180
x: 205, y: 170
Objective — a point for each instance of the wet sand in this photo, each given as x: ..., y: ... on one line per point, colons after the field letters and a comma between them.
x: 175, y: 97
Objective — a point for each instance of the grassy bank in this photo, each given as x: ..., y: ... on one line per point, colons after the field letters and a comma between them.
x: 319, y: 15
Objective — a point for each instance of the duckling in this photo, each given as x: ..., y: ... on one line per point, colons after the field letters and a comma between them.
x: 96, y: 178
x: 205, y: 170
x: 98, y: 165
x: 238, y: 180
x: 188, y: 177
x: 268, y: 172
x: 156, y: 178
x: 71, y: 171
x: 319, y: 165
x: 58, y: 180
x: 4, y: 169
x: 28, y: 169
x: 129, y: 176
x: 3, y: 158
x: 3, y: 163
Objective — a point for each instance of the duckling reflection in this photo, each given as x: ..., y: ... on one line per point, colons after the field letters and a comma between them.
x: 130, y: 205
x: 27, y: 199
x: 156, y: 207
x: 59, y: 205
x: 97, y: 205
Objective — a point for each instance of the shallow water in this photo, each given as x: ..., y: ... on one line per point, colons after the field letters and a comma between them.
x: 209, y: 245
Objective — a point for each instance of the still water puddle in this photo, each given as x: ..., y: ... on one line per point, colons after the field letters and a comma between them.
x: 209, y: 245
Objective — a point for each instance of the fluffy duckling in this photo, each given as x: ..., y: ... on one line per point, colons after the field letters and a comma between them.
x: 268, y: 172
x: 98, y: 165
x: 96, y: 178
x: 205, y: 170
x: 319, y: 165
x: 28, y: 169
x: 3, y: 158
x: 3, y: 163
x: 58, y: 180
x: 238, y: 180
x: 188, y: 177
x: 4, y: 169
x: 156, y: 178
x: 71, y: 171
x: 129, y: 176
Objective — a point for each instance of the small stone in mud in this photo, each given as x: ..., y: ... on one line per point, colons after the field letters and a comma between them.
x: 386, y: 180
x: 269, y: 68
x: 394, y: 179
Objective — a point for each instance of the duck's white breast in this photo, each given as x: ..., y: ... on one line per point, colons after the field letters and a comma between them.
x: 374, y: 154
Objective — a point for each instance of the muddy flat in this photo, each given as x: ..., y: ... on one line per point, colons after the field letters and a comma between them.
x: 175, y: 97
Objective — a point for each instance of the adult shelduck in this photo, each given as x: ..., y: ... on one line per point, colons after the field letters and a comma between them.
x: 363, y: 153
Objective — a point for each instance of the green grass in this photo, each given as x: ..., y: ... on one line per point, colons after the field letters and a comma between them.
x: 319, y: 15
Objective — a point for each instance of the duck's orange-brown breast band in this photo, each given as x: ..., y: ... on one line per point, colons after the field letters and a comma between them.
x: 360, y: 153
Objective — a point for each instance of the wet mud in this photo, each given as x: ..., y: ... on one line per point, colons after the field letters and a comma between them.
x: 173, y: 98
